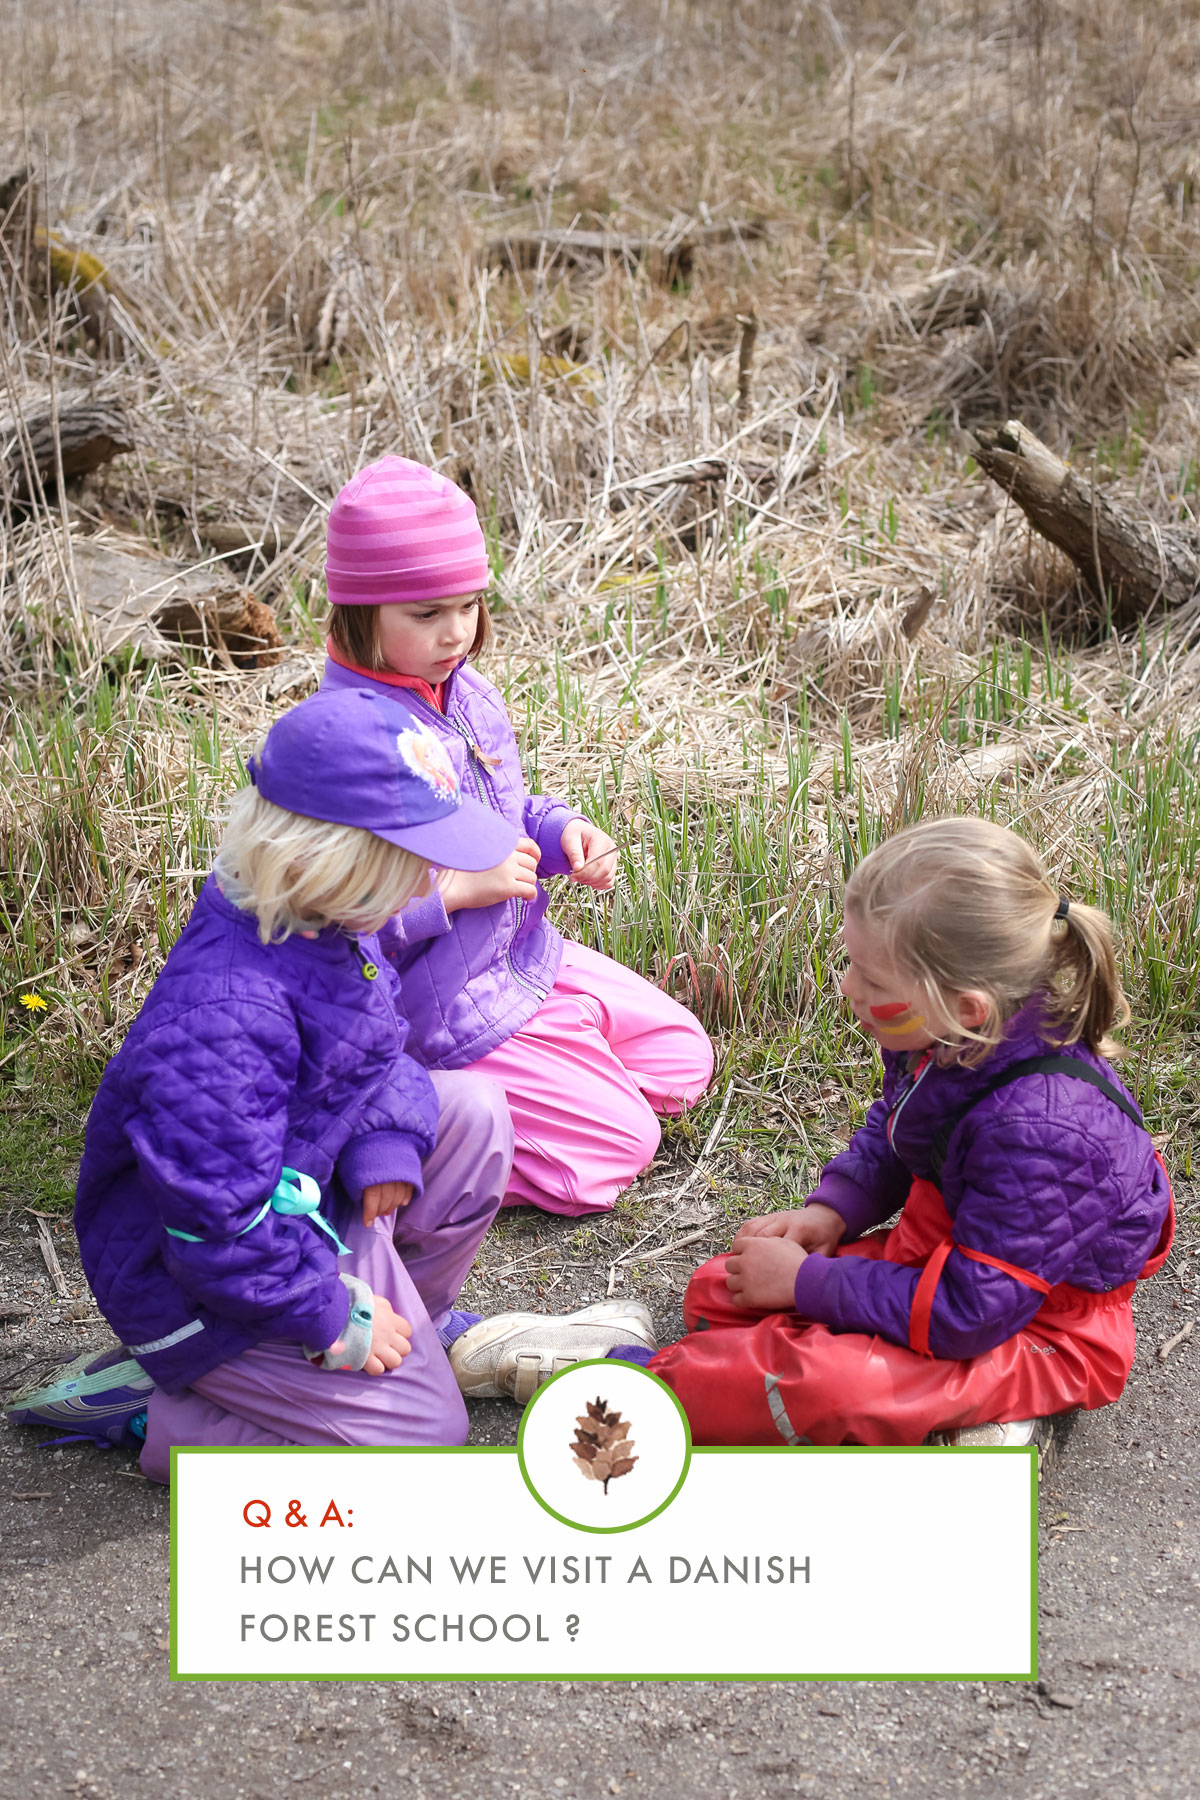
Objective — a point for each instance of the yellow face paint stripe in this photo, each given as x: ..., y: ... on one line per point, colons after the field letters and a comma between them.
x: 915, y: 1023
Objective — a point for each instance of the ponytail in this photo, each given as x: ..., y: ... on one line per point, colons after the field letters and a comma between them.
x: 1086, y: 997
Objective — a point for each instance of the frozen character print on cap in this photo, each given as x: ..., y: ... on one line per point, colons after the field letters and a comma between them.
x: 425, y: 755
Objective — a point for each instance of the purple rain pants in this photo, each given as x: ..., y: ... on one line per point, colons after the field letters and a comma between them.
x: 417, y: 1258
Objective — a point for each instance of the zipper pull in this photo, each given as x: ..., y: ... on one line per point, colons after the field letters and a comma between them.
x: 490, y: 763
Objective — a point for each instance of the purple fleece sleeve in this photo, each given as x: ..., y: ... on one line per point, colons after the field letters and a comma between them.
x: 974, y: 1309
x: 396, y: 1133
x: 380, y: 1156
x: 416, y: 924
x: 975, y: 1306
x: 545, y: 821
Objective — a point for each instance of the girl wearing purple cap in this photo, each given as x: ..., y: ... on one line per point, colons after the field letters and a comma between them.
x: 587, y: 1052
x: 277, y: 1205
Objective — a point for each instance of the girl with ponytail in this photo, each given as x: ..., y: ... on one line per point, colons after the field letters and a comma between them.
x: 1031, y: 1198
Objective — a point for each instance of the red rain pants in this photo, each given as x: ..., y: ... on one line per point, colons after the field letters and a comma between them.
x: 769, y: 1378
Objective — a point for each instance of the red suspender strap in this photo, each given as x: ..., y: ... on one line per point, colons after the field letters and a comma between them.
x: 993, y: 1262
x: 922, y: 1306
x: 931, y: 1275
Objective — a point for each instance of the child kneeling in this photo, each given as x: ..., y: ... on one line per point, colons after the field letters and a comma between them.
x: 262, y: 1121
x: 1033, y: 1199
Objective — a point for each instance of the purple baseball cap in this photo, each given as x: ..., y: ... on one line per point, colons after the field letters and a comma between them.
x: 354, y: 758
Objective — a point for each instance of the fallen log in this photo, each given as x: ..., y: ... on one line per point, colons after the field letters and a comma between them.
x: 669, y: 256
x: 130, y: 597
x: 234, y: 539
x: 1130, y: 565
x: 83, y: 437
x: 90, y: 286
x: 232, y: 536
x: 39, y: 260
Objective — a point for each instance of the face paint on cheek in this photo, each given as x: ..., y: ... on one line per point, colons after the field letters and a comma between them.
x: 896, y: 1019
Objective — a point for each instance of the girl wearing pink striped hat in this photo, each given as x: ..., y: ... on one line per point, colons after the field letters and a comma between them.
x: 587, y: 1052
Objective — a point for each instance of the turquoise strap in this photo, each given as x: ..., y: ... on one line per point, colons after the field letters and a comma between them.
x: 295, y: 1193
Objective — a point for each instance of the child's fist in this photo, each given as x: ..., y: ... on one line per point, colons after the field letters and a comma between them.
x: 384, y: 1197
x: 513, y: 879
x: 814, y: 1227
x: 760, y: 1273
x: 591, y: 853
x: 391, y: 1339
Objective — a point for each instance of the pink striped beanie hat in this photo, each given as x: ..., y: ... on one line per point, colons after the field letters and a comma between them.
x: 401, y: 532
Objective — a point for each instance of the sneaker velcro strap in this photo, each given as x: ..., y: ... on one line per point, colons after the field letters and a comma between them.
x: 527, y: 1377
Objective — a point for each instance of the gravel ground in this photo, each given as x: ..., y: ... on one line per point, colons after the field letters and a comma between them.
x: 86, y: 1708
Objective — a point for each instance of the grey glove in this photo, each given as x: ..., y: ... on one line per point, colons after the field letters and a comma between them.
x: 355, y: 1337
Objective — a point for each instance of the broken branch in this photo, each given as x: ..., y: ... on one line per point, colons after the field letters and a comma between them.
x: 1125, y: 563
x: 1173, y: 1343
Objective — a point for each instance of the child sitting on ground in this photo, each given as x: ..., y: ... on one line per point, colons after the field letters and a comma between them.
x: 1033, y: 1199
x: 262, y: 1120
x: 586, y: 1050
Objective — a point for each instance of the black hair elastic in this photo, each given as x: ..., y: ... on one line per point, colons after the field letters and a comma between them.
x: 1063, y: 907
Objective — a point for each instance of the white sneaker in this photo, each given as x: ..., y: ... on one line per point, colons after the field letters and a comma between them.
x: 511, y: 1355
x: 1016, y: 1431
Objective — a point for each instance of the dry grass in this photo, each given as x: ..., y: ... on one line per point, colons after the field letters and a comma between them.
x: 958, y: 215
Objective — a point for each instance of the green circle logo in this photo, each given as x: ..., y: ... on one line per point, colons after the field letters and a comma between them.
x: 604, y: 1446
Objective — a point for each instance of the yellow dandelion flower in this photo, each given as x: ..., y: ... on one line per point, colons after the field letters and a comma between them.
x: 33, y: 1003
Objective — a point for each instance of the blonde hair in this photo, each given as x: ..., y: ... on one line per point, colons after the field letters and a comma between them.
x: 963, y: 904
x: 299, y: 874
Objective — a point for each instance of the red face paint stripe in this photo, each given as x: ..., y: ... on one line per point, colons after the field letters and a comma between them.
x: 892, y: 1010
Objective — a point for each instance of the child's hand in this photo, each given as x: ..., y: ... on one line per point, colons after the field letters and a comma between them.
x: 760, y: 1273
x: 513, y: 879
x: 390, y: 1339
x: 816, y: 1227
x: 384, y: 1197
x: 591, y: 853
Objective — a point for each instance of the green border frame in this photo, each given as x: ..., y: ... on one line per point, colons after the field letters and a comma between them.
x: 1028, y: 1451
x: 602, y: 1362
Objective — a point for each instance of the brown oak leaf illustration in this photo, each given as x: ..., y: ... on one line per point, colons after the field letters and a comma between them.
x: 602, y: 1443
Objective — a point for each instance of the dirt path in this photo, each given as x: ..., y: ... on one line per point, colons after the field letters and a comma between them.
x: 86, y: 1708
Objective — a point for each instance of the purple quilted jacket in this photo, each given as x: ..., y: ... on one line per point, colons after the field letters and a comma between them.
x: 246, y: 1059
x: 1047, y: 1175
x: 473, y: 978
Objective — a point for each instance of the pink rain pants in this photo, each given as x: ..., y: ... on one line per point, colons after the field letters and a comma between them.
x: 603, y: 1054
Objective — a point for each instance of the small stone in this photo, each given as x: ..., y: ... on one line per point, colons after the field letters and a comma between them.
x: 1064, y: 1700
